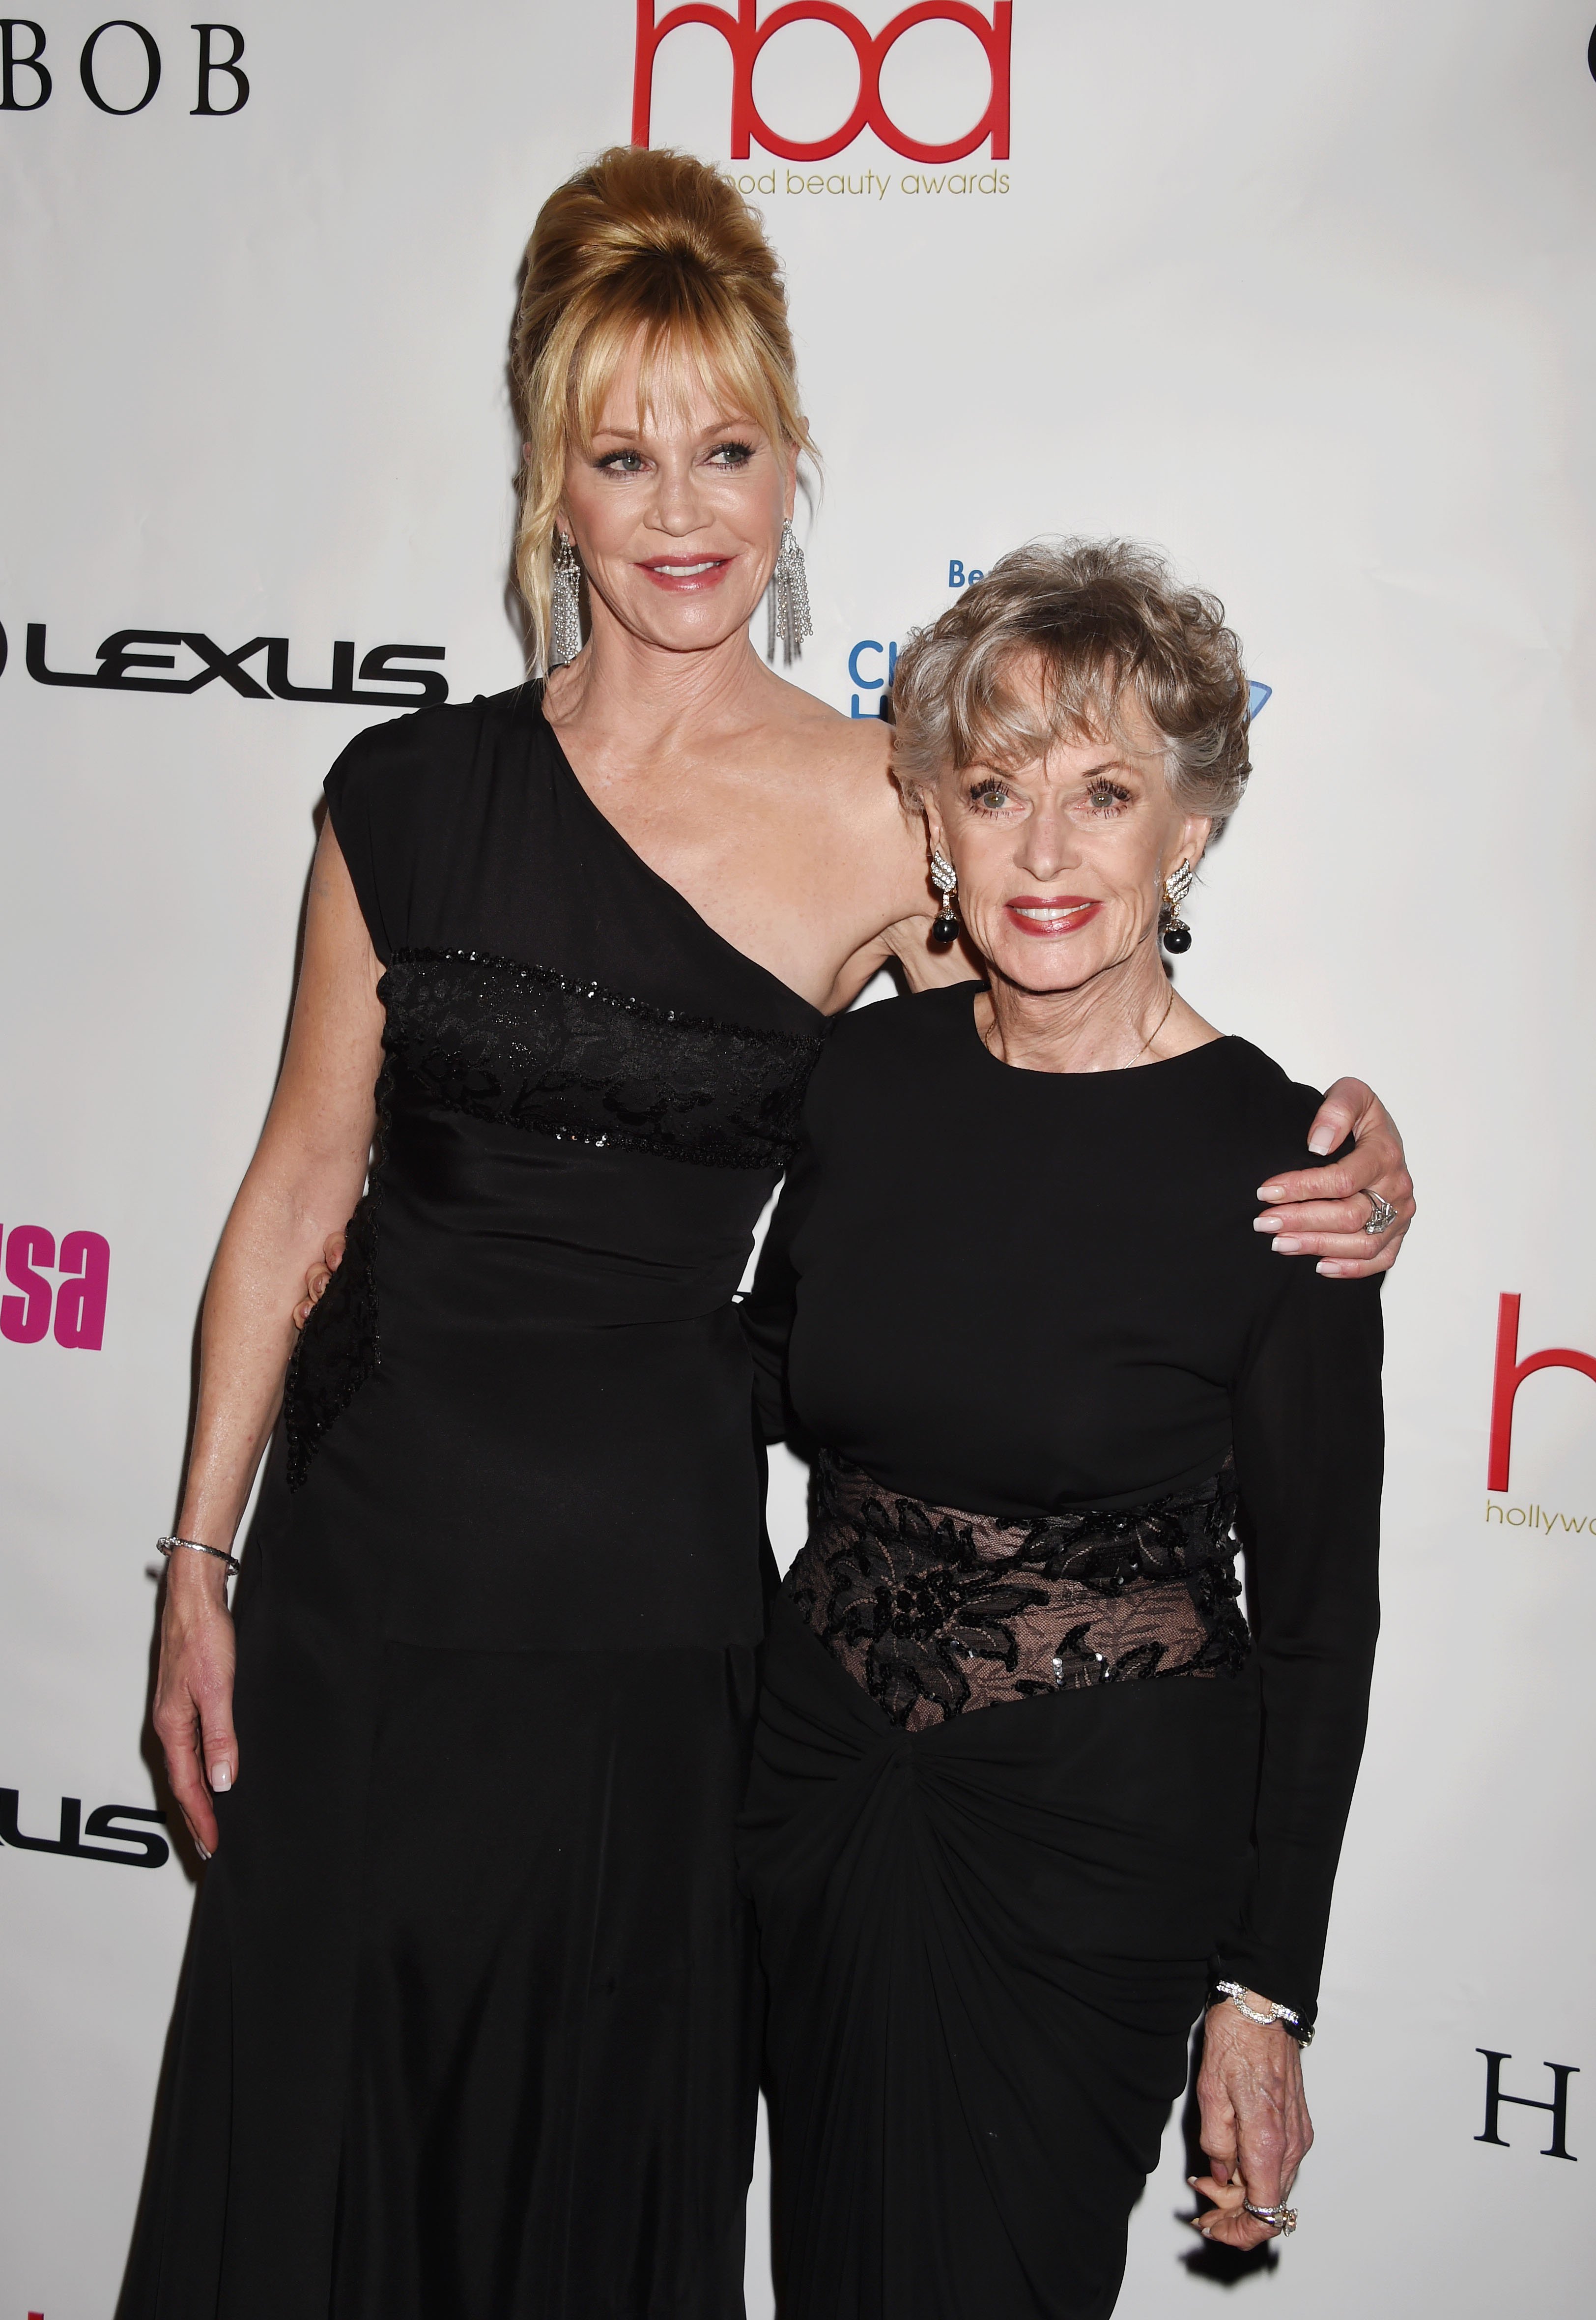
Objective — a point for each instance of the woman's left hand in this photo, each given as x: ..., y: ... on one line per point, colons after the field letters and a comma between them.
x: 1322, y: 1212
x: 1255, y: 2128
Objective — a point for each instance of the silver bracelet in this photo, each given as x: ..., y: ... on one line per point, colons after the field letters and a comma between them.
x: 196, y: 1546
x: 1286, y: 2016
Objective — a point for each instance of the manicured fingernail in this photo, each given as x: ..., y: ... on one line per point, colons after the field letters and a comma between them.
x: 1327, y: 1264
x: 220, y: 1776
x: 202, y: 1850
x: 1286, y: 1247
x: 1322, y: 1140
x: 1271, y: 1191
x: 1269, y: 1224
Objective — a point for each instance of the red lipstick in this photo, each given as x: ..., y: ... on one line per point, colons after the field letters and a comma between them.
x: 1048, y: 916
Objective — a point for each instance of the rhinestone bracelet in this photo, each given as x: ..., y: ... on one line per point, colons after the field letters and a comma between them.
x: 196, y: 1546
x: 1287, y: 2017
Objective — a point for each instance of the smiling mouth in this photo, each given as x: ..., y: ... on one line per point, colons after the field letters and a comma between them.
x: 1033, y: 915
x: 685, y: 572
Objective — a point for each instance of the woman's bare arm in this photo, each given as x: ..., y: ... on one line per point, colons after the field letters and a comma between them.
x: 302, y: 1184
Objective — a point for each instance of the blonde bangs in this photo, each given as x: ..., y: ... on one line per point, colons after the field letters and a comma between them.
x: 682, y: 355
x: 992, y: 719
x: 652, y: 248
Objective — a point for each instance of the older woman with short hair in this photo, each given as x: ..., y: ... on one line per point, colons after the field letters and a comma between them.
x: 1029, y: 1788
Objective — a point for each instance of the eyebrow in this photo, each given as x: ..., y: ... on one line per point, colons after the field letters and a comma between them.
x: 1087, y: 773
x: 737, y: 422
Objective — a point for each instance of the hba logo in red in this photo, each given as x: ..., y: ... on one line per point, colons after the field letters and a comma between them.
x: 746, y: 36
x: 1511, y: 1374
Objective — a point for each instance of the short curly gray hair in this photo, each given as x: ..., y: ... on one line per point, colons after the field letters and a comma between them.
x: 1093, y: 617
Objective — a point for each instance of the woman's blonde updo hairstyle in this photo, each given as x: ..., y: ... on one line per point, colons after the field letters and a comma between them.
x: 648, y: 241
x: 1043, y: 649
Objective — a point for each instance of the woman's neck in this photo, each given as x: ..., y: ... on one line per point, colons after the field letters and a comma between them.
x: 1130, y: 1014
x: 625, y: 694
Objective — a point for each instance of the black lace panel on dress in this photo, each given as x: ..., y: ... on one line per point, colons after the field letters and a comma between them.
x: 533, y: 1049
x: 937, y: 1612
x: 338, y: 1348
x: 528, y: 1048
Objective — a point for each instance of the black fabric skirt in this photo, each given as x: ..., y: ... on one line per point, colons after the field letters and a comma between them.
x: 986, y: 1945
x: 470, y: 2023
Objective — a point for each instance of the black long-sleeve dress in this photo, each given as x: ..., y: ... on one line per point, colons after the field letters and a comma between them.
x: 1051, y: 1372
x: 470, y: 2025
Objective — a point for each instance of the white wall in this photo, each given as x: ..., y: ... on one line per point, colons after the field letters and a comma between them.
x: 1304, y: 293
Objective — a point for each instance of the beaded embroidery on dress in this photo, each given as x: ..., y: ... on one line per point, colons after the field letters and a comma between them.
x: 527, y: 1048
x: 533, y: 1049
x: 938, y: 1612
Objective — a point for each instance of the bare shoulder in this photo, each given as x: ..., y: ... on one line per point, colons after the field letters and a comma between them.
x: 866, y: 852
x: 815, y: 725
x: 847, y: 761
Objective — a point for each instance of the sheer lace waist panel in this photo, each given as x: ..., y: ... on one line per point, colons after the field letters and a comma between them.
x: 937, y: 1612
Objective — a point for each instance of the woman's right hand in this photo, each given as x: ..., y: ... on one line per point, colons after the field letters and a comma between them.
x: 1255, y: 2124
x: 194, y: 1692
x: 318, y: 1277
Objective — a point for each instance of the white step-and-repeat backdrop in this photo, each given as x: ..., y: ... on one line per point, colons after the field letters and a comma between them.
x: 1304, y: 294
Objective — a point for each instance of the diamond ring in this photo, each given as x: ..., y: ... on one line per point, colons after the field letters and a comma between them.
x: 1283, y: 2219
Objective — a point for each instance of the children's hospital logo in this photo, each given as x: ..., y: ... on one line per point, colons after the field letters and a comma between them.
x: 747, y: 37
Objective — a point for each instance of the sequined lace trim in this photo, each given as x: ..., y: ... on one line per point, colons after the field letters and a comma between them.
x: 548, y: 978
x: 527, y: 1048
x: 938, y: 1612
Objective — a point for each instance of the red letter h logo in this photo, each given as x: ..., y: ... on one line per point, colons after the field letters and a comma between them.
x: 1511, y: 1374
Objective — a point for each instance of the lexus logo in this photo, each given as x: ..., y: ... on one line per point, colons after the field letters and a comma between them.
x: 131, y: 659
x: 100, y: 1837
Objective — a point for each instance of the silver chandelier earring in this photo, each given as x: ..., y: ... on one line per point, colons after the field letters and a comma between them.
x: 787, y: 601
x: 1177, y: 934
x: 944, y: 928
x: 564, y: 623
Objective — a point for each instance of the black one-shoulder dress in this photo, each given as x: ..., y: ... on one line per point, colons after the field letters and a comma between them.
x: 469, y: 2024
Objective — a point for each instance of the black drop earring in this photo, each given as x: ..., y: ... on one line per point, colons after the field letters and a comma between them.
x: 945, y: 929
x: 1177, y: 934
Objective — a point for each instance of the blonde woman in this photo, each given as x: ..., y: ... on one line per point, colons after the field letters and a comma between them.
x: 470, y: 2024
